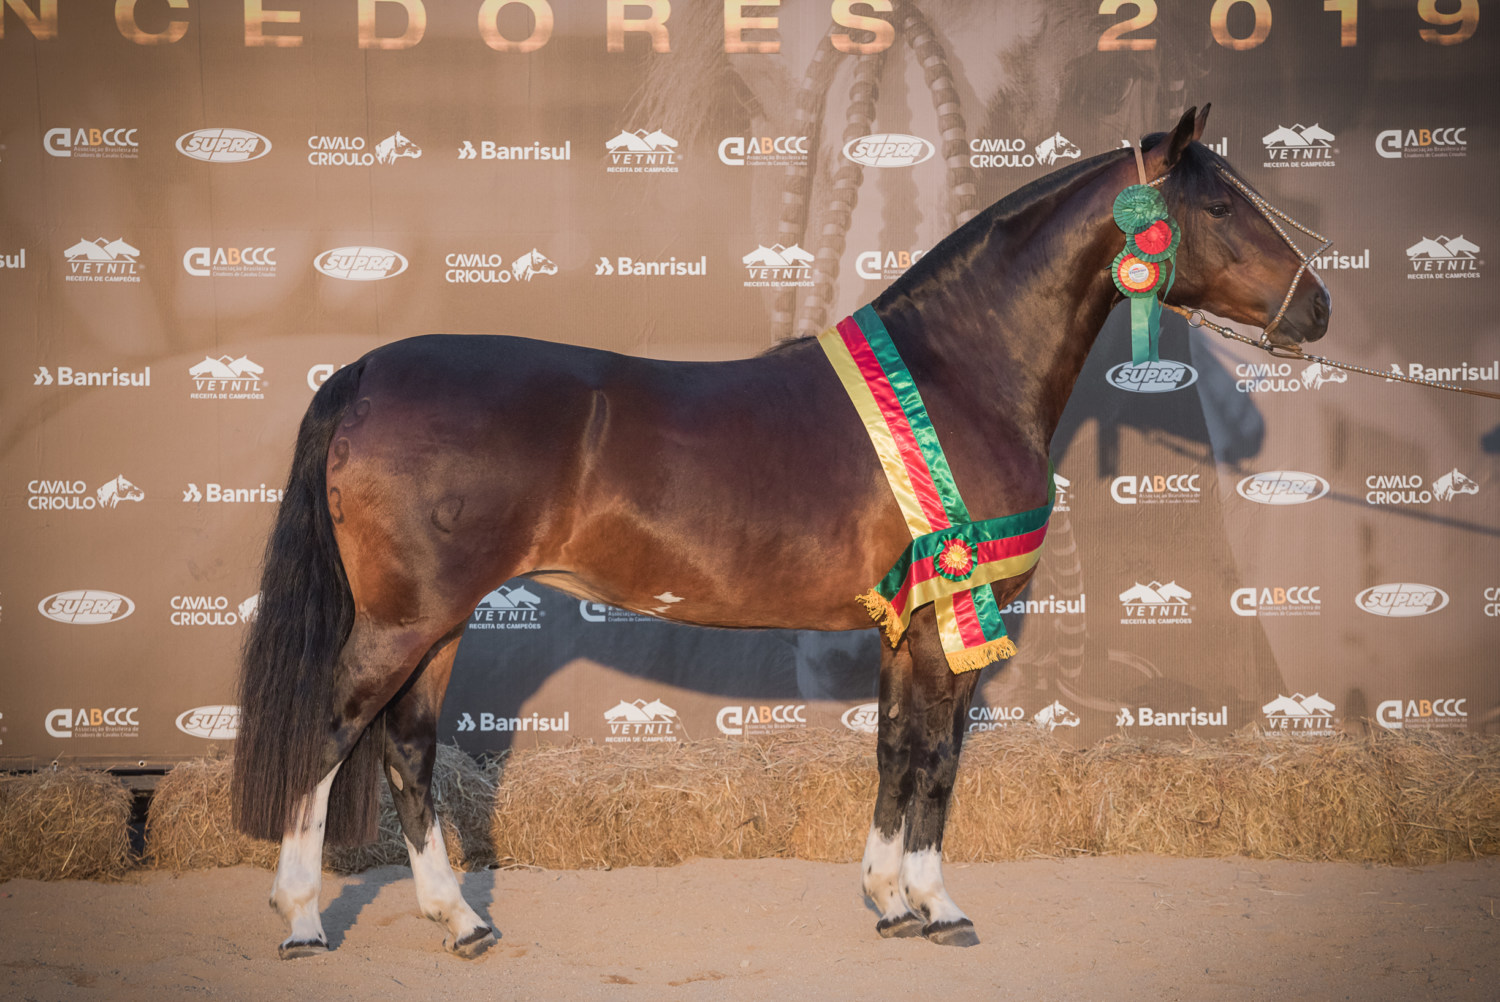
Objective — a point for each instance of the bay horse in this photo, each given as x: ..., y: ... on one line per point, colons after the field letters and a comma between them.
x: 729, y: 494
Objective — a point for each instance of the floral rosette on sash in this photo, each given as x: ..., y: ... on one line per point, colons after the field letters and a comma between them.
x: 952, y: 559
x: 1146, y: 265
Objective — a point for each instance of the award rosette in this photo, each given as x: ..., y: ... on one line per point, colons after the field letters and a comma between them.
x: 952, y: 559
x: 1146, y: 265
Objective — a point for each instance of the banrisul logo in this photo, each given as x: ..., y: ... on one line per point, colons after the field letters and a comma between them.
x: 74, y: 495
x: 1282, y: 487
x: 1422, y: 144
x: 1444, y: 257
x: 220, y: 722
x: 69, y: 376
x: 1152, y: 377
x: 1464, y: 372
x: 629, y: 267
x: 1277, y: 600
x: 354, y: 151
x: 764, y: 151
x: 482, y: 268
x: 358, y: 263
x: 223, y: 146
x: 227, y: 378
x: 1401, y: 600
x: 1156, y: 604
x: 1409, y: 488
x: 1309, y: 716
x: 1051, y: 605
x: 1299, y: 146
x: 534, y: 723
x: 889, y: 149
x: 102, y: 260
x: 92, y: 143
x: 215, y: 493
x: 508, y: 608
x: 885, y: 266
x: 778, y: 267
x: 85, y: 607
x: 488, y: 149
x: 1147, y: 716
x: 644, y: 151
x: 642, y: 722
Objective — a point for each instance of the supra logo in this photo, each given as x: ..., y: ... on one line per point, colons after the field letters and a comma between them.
x: 1282, y: 487
x: 491, y: 269
x: 1174, y: 488
x: 739, y: 719
x: 85, y: 607
x: 888, y: 149
x: 778, y: 267
x: 230, y: 262
x: 353, y: 151
x: 210, y: 610
x: 1299, y: 146
x: 489, y: 150
x: 490, y: 722
x: 598, y: 612
x: 1444, y: 257
x: 993, y: 718
x: 1146, y: 716
x: 69, y: 376
x: 216, y: 723
x: 223, y: 146
x: 764, y: 151
x: 93, y: 144
x: 1155, y: 604
x: 101, y: 260
x: 1401, y: 600
x: 217, y: 493
x: 74, y: 495
x: 227, y: 378
x: 864, y: 718
x: 626, y: 267
x: 94, y: 722
x: 1422, y: 714
x: 1152, y: 377
x: 640, y: 721
x: 877, y: 265
x: 359, y: 263
x: 1297, y: 600
x: 1299, y: 714
x: 508, y: 608
x: 642, y: 152
x: 1397, y: 489
x: 1057, y: 715
x: 1277, y: 377
x: 1422, y: 144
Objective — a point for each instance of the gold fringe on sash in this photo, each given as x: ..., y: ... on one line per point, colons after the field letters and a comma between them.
x: 884, y: 614
x: 974, y: 658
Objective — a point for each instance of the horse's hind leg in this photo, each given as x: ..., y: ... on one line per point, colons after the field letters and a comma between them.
x: 409, y: 753
x: 299, y: 875
x: 939, y: 701
x: 881, y: 869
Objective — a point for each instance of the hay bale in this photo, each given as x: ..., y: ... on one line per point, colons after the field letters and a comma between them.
x: 68, y: 824
x: 190, y: 825
x: 1387, y: 798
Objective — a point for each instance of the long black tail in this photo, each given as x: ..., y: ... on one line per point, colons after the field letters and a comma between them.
x: 290, y: 659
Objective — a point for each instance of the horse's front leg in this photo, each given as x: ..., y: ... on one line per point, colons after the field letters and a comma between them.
x: 881, y: 869
x: 939, y: 702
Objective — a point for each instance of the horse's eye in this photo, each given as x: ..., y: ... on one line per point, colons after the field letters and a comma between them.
x: 1218, y: 210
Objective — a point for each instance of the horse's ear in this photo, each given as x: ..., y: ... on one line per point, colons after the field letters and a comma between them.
x: 1186, y: 130
x: 1201, y: 121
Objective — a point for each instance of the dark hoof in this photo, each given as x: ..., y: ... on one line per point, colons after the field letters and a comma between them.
x: 900, y: 927
x: 959, y: 932
x: 294, y: 948
x: 473, y: 944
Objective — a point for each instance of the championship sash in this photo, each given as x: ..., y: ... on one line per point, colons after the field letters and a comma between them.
x: 951, y: 560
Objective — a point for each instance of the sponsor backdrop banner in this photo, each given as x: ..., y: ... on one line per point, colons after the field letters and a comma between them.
x: 208, y: 208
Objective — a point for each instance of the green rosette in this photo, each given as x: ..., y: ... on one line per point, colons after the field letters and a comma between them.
x: 1150, y: 235
x: 1137, y: 207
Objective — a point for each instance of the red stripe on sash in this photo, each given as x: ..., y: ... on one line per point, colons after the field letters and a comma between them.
x: 988, y: 552
x: 968, y: 619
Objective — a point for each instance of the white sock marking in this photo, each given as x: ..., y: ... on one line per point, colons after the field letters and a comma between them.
x: 922, y: 883
x: 299, y: 868
x: 881, y: 871
x: 438, y: 894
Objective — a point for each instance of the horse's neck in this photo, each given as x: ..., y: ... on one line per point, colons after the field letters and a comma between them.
x: 1007, y: 319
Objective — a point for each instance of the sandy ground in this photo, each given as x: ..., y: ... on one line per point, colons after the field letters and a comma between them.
x: 1077, y: 929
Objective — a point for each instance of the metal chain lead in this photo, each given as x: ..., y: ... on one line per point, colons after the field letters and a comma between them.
x: 1272, y: 214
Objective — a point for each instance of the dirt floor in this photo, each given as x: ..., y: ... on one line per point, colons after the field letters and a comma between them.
x: 1076, y: 929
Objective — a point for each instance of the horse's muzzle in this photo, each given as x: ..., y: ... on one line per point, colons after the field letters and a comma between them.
x: 1307, y: 319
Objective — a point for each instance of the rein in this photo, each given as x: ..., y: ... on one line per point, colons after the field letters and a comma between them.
x: 1195, y: 318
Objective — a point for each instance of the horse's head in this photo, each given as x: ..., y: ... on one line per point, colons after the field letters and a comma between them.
x: 1232, y: 260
